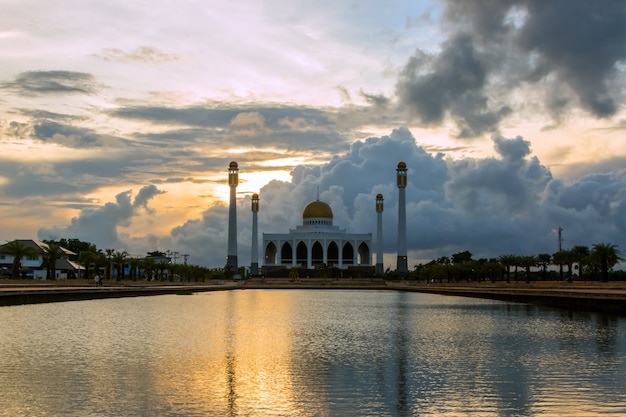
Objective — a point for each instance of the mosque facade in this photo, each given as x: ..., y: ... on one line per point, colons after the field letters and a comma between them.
x: 317, y: 241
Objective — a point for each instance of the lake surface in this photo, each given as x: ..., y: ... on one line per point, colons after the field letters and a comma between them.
x: 309, y: 353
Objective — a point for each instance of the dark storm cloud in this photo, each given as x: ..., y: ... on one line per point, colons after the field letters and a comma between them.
x: 569, y: 50
x: 36, y: 83
x: 452, y: 85
x: 580, y: 41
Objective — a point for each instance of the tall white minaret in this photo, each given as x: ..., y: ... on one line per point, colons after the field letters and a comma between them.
x: 402, y: 268
x: 254, y: 263
x: 233, y: 181
x: 379, y: 233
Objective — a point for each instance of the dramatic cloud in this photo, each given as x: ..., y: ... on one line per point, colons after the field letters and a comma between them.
x: 101, y: 224
x: 490, y: 206
x: 496, y: 48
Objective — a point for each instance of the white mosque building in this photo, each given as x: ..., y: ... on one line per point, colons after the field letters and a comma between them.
x: 317, y: 241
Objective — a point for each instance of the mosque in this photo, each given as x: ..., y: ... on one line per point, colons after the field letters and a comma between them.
x: 317, y: 241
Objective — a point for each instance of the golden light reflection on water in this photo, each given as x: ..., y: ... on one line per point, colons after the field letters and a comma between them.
x: 308, y: 353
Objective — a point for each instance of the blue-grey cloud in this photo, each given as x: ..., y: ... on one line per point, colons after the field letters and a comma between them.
x: 571, y: 49
x: 37, y: 83
x: 100, y: 225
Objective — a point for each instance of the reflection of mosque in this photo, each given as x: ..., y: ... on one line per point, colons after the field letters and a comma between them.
x: 317, y: 241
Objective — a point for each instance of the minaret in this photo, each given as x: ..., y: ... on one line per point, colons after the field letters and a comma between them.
x: 379, y: 233
x: 233, y: 181
x: 254, y: 263
x: 402, y: 268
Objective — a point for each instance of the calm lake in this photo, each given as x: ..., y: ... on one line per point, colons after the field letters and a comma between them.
x: 309, y: 353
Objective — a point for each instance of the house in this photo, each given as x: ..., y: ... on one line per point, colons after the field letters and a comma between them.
x: 35, y: 266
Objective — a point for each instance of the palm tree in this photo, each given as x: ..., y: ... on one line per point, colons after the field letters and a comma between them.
x: 294, y: 273
x: 527, y: 262
x: 148, y: 267
x: 109, y: 255
x: 18, y: 250
x: 507, y: 261
x: 134, y: 266
x: 543, y: 260
x: 87, y: 258
x: 119, y: 258
x: 51, y: 254
x: 560, y: 259
x: 606, y: 256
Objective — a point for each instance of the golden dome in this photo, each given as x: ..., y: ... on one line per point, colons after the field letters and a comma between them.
x: 255, y: 196
x: 379, y: 196
x: 232, y: 165
x: 317, y: 209
x: 401, y: 165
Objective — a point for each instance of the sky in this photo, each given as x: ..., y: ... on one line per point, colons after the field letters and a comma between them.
x: 118, y: 121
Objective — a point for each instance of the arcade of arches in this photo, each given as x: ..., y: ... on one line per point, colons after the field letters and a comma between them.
x: 317, y: 241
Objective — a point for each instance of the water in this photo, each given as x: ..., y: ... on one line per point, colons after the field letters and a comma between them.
x: 309, y: 353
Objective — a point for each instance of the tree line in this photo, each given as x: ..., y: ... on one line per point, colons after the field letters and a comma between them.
x: 109, y: 263
x: 595, y: 263
x: 592, y: 264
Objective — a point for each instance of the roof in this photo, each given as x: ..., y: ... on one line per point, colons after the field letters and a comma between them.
x: 40, y: 246
x: 317, y: 209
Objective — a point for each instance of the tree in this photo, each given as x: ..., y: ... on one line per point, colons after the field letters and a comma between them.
x: 605, y: 255
x: 560, y: 259
x: 581, y: 257
x: 134, y: 266
x: 18, y: 250
x: 148, y: 267
x: 119, y: 258
x: 461, y: 257
x: 294, y: 273
x: 88, y: 258
x: 508, y: 261
x: 51, y: 254
x: 527, y: 262
x: 110, y: 253
x: 543, y: 260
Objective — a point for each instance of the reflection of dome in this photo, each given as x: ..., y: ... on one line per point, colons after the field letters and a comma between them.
x: 317, y: 209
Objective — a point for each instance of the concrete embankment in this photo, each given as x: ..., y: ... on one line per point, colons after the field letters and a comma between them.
x: 601, y: 298
x: 36, y: 294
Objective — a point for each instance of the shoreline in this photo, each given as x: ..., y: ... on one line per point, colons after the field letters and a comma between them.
x: 579, y: 296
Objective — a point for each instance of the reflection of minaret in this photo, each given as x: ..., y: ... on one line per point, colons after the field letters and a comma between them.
x: 402, y: 268
x: 233, y: 181
x: 379, y: 234
x: 254, y: 263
